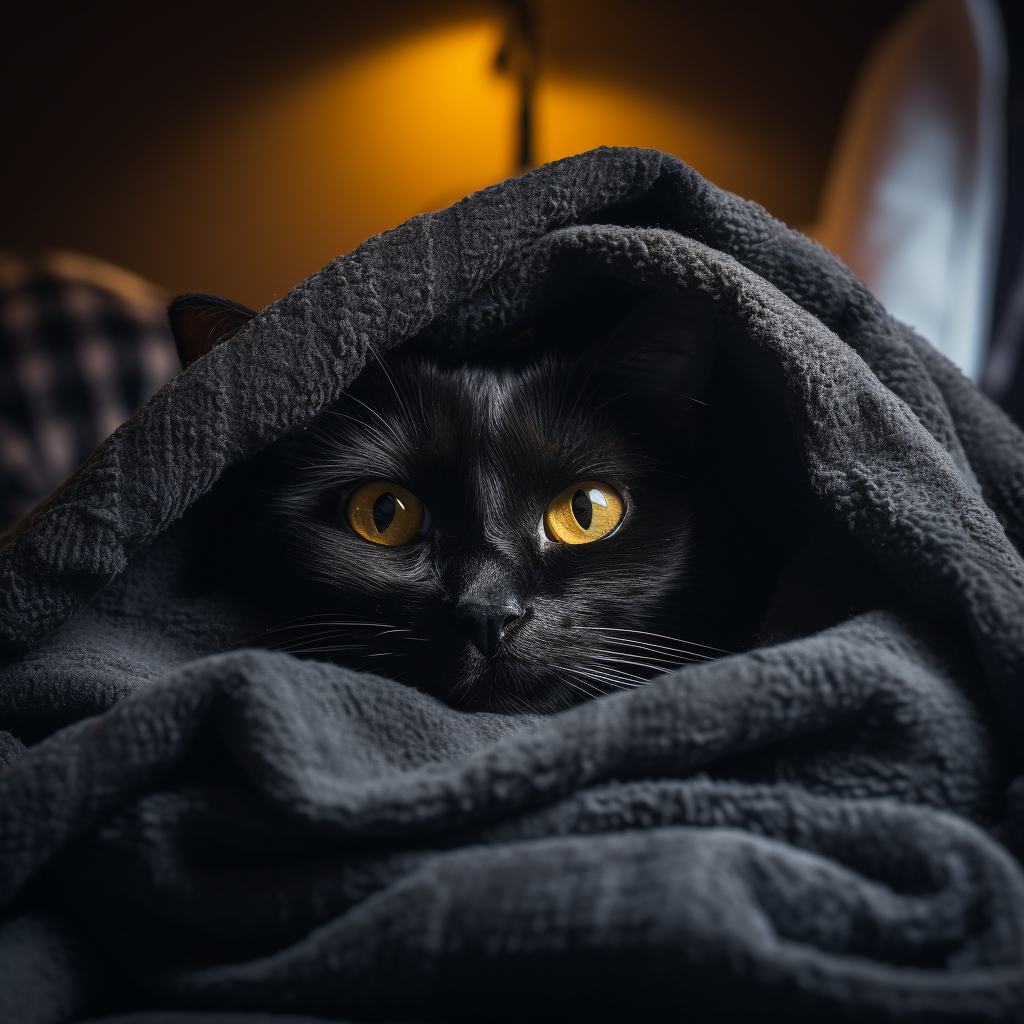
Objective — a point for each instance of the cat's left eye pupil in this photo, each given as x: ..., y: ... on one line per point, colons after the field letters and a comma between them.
x: 582, y: 509
x: 385, y: 513
x: 384, y: 509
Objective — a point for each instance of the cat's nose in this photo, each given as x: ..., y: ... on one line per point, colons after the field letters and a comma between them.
x: 486, y: 623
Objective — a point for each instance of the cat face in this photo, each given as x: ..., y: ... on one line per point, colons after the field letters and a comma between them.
x: 510, y: 540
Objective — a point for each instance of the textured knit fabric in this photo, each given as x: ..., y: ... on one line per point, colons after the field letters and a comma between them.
x: 824, y: 827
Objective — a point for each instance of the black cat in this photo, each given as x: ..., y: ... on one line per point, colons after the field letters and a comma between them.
x: 509, y: 537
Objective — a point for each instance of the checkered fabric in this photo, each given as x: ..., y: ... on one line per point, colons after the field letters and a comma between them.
x: 82, y: 345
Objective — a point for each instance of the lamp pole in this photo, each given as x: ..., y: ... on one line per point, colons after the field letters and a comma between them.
x: 518, y: 57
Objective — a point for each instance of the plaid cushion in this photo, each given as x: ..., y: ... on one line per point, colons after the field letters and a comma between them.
x: 82, y: 346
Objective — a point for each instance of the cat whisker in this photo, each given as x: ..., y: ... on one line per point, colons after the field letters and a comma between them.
x: 314, y: 634
x: 652, y: 651
x: 326, y: 620
x: 622, y: 676
x: 369, y: 408
x: 278, y: 639
x: 311, y: 634
x: 518, y: 703
x: 659, y: 636
x: 617, y: 680
x: 581, y: 391
x: 327, y: 450
x: 580, y: 687
x: 305, y: 638
x: 641, y: 650
x: 604, y: 684
x: 384, y: 368
x: 614, y: 666
x: 321, y: 649
x: 630, y: 646
x: 660, y: 669
x: 613, y: 399
x: 645, y: 632
x: 653, y: 654
x: 680, y: 394
x: 303, y: 643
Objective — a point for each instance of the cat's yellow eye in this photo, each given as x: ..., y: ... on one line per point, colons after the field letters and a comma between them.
x: 583, y: 513
x: 384, y: 513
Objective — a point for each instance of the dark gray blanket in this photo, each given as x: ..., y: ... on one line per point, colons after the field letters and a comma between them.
x: 823, y: 827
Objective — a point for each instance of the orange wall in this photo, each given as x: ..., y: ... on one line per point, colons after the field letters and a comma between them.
x: 244, y: 180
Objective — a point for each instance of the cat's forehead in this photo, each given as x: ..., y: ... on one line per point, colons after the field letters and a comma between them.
x: 484, y: 390
x: 480, y: 397
x: 532, y: 421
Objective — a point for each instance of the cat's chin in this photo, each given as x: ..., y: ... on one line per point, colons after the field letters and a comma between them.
x: 505, y: 685
x: 545, y: 699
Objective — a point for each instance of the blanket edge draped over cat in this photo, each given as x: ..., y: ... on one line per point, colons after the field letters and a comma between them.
x: 318, y: 335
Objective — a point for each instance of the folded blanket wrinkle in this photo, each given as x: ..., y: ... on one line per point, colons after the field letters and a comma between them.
x: 826, y: 826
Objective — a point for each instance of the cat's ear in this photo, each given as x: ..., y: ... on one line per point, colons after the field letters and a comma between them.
x: 199, y: 322
x: 664, y: 349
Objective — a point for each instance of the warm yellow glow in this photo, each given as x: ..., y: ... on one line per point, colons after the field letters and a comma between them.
x: 423, y: 122
x: 574, y: 115
x: 265, y: 192
x: 261, y: 196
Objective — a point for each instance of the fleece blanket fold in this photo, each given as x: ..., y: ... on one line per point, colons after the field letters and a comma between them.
x: 828, y: 825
